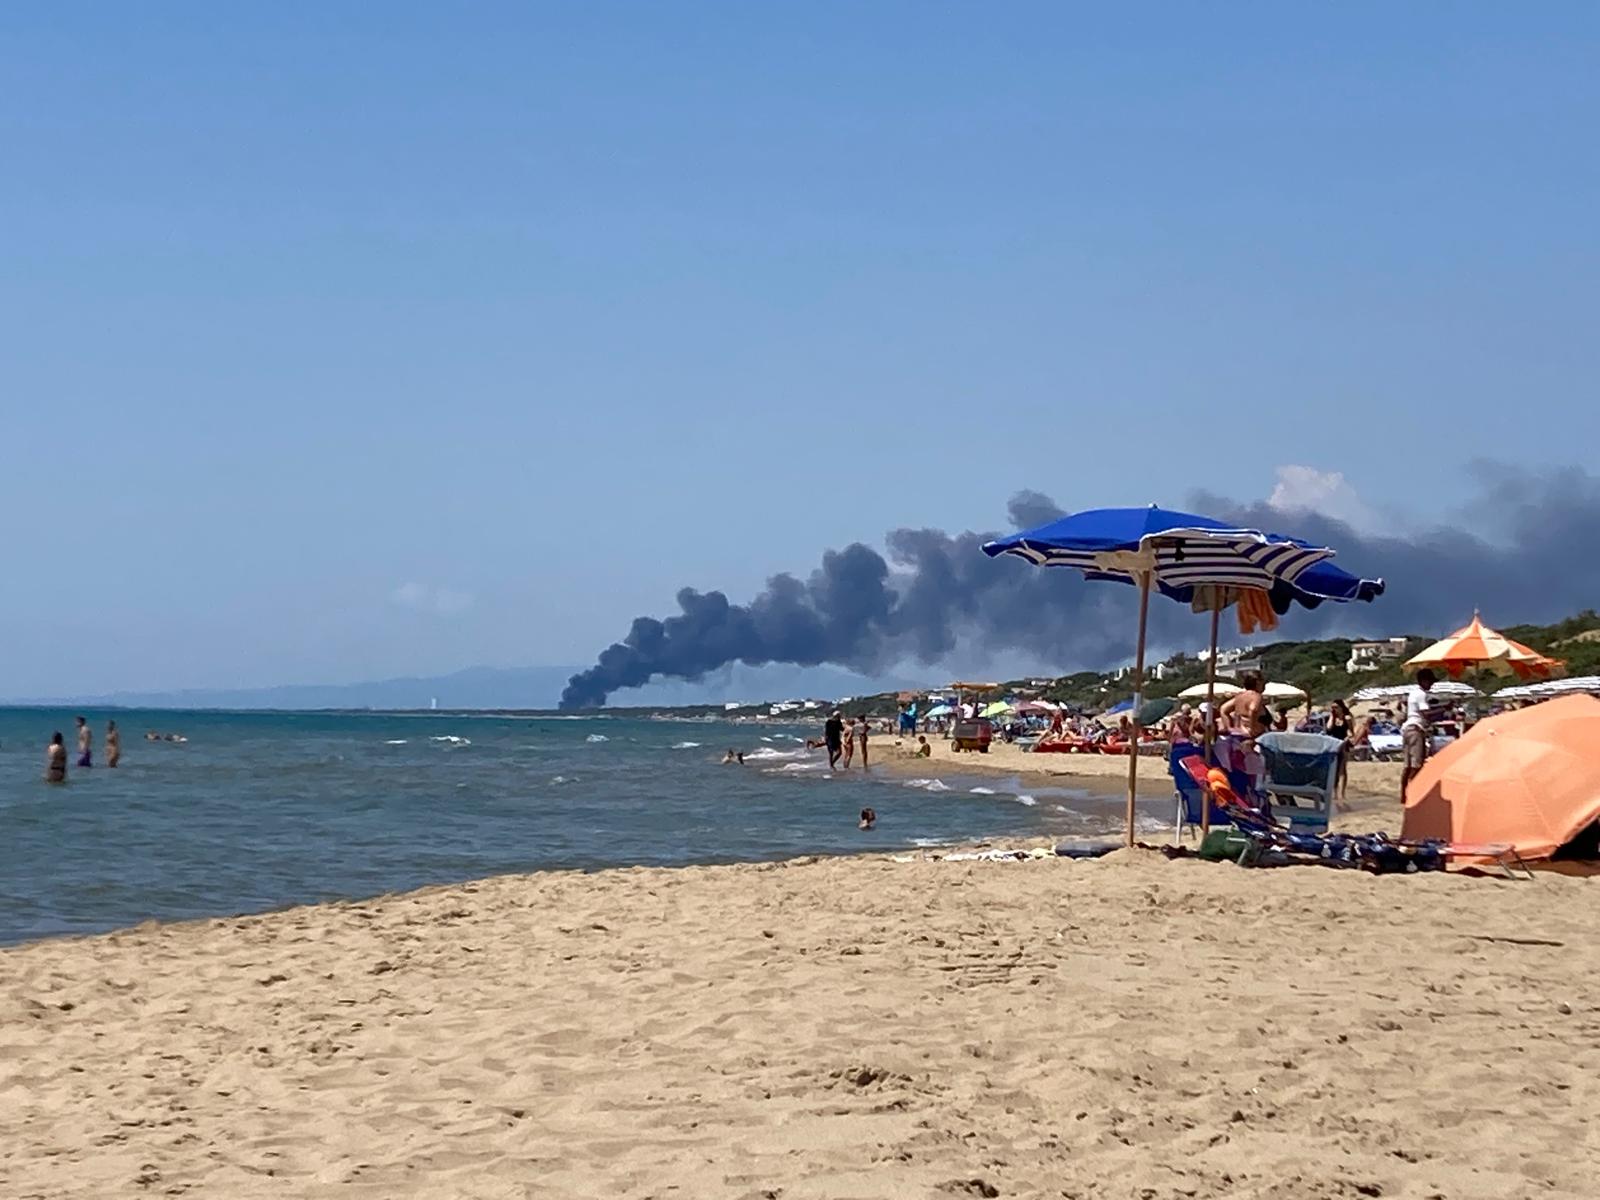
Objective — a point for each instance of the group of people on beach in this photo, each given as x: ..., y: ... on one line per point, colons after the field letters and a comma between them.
x: 841, y: 739
x: 1247, y: 716
x: 55, y: 762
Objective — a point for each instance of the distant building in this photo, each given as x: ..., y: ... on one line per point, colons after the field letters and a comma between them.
x: 1370, y: 656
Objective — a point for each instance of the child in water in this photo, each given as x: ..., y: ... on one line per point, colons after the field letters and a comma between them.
x: 868, y: 819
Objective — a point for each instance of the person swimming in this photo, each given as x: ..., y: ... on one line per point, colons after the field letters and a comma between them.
x: 55, y: 762
x: 868, y: 819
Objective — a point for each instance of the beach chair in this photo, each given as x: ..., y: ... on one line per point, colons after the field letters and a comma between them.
x: 1270, y: 842
x: 1186, y: 764
x: 1302, y: 777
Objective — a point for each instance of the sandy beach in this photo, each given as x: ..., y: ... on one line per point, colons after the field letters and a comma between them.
x: 1371, y: 783
x: 853, y: 1027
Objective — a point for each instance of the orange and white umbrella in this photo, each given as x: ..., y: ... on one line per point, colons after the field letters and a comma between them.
x: 1476, y: 647
x: 1529, y: 777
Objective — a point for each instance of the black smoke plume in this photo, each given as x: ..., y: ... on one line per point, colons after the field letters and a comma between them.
x: 1527, y: 549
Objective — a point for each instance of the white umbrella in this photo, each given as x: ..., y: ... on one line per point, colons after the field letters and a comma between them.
x: 1282, y: 691
x: 1198, y: 691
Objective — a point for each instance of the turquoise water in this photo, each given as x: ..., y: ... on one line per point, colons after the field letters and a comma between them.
x: 262, y: 810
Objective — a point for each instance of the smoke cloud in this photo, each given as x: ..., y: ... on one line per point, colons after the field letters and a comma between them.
x: 1526, y: 549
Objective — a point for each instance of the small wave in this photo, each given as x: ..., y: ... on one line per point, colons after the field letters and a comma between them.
x: 928, y: 785
x: 926, y: 842
x: 452, y: 739
x: 597, y: 737
x: 982, y: 791
x: 767, y: 754
x: 1027, y: 800
x: 395, y: 742
x: 765, y: 738
x: 797, y: 766
x: 676, y: 745
x: 561, y: 779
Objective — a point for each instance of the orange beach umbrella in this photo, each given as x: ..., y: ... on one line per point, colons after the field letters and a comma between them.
x: 1476, y: 647
x: 1529, y: 777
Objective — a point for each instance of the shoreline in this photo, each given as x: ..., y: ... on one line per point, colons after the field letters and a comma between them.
x: 1373, y: 786
x: 947, y: 1029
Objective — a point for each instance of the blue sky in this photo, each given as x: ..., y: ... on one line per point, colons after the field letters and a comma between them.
x: 344, y: 341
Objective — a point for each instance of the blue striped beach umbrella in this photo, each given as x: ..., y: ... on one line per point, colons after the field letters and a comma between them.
x: 1180, y: 554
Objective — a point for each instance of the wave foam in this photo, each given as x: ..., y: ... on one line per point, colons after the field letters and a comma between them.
x: 928, y: 785
x: 684, y: 745
x: 452, y: 739
x: 790, y: 767
x: 597, y: 737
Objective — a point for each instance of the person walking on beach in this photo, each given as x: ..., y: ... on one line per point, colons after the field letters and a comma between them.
x: 85, y: 744
x: 1338, y: 725
x: 113, y: 744
x: 861, y: 735
x: 832, y: 738
x: 1421, y: 713
x: 55, y: 760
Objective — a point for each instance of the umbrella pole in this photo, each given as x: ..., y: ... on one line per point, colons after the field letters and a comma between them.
x: 1211, y: 717
x: 1138, y: 698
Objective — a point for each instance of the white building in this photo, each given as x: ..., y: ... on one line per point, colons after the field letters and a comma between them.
x: 1369, y: 656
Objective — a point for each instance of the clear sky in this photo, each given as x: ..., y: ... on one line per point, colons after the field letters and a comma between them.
x: 340, y: 341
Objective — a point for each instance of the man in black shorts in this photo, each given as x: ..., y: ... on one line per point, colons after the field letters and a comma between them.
x: 833, y: 738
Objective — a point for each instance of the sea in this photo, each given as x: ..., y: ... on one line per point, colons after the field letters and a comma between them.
x: 255, y: 810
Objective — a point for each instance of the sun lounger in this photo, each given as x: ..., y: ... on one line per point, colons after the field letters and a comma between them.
x: 1271, y: 841
x: 1188, y: 771
x: 1064, y: 745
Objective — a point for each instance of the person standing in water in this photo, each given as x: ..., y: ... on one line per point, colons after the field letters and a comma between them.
x: 55, y: 760
x: 113, y: 744
x: 861, y: 736
x: 85, y: 744
x: 833, y: 738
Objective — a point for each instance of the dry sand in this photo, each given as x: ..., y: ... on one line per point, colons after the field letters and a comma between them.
x: 845, y: 1028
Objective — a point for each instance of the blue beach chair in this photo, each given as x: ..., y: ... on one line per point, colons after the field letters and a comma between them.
x: 1189, y: 795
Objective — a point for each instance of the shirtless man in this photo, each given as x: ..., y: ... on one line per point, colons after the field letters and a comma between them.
x: 85, y: 741
x: 1246, y: 713
x: 55, y: 761
x: 1182, y: 724
x: 113, y: 744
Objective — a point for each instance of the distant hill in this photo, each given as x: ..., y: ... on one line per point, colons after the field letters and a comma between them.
x: 1316, y: 666
x: 499, y: 688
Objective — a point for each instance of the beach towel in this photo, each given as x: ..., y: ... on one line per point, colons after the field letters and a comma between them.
x: 1255, y: 611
